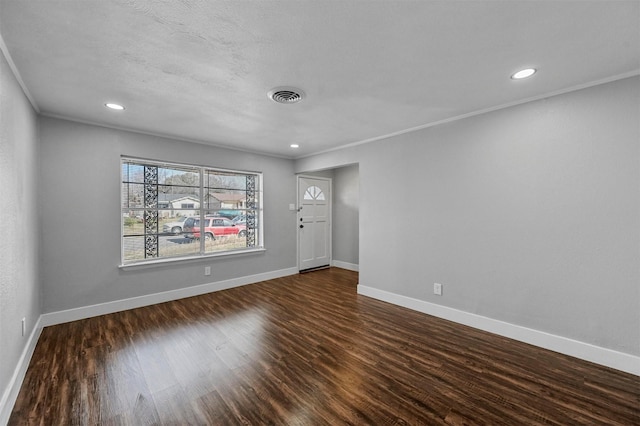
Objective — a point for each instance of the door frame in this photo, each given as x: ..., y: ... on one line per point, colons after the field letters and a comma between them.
x: 330, y: 213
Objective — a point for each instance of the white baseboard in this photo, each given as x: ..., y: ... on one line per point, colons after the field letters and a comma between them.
x: 344, y: 265
x: 607, y: 357
x: 152, y: 299
x: 13, y: 388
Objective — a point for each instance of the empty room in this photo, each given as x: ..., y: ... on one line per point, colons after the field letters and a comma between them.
x: 319, y: 212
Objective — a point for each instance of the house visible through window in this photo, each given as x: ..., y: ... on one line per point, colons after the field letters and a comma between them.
x: 177, y: 210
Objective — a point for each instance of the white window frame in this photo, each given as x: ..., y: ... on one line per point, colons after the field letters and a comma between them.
x: 256, y: 238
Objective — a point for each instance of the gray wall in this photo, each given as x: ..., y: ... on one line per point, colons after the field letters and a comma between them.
x: 528, y: 215
x: 345, y: 236
x: 19, y: 282
x: 80, y: 198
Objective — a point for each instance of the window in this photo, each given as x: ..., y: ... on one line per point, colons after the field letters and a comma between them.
x: 224, y: 206
x: 314, y: 193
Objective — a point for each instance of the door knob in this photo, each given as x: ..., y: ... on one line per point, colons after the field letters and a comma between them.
x: 301, y: 226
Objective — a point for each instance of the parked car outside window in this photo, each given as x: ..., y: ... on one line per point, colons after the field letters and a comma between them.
x: 174, y: 227
x: 190, y: 224
x: 215, y: 227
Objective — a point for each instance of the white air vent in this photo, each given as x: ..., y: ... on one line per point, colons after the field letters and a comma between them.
x: 286, y: 95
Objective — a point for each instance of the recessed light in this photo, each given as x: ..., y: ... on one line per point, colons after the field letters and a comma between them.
x: 528, y: 72
x: 117, y: 107
x: 294, y: 145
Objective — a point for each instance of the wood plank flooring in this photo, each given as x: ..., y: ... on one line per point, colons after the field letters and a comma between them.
x: 306, y: 350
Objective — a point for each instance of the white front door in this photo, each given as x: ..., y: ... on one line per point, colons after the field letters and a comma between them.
x: 314, y: 226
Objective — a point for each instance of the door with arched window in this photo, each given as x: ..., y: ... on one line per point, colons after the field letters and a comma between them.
x: 314, y: 223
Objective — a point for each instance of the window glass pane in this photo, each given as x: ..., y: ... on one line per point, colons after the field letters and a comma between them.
x: 132, y: 172
x: 313, y: 193
x: 226, y: 203
x: 181, y: 177
x: 178, y: 245
x: 224, y: 180
x: 132, y: 195
x: 224, y: 235
x: 168, y: 246
x: 132, y: 223
x: 133, y: 249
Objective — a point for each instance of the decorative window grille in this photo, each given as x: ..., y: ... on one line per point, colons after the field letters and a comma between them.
x: 150, y: 211
x: 154, y: 229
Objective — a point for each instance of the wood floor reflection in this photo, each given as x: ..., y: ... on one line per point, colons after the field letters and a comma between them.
x: 306, y: 350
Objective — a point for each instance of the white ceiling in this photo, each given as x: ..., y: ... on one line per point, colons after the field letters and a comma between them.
x: 201, y: 70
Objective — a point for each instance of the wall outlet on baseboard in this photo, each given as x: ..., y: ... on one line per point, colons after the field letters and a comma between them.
x: 207, y: 270
x: 24, y: 326
x: 437, y: 289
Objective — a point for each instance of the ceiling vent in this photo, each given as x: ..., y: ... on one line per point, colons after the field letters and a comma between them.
x: 286, y: 95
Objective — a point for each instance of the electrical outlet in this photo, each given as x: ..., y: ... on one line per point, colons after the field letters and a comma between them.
x: 207, y: 270
x: 24, y: 326
x: 437, y: 289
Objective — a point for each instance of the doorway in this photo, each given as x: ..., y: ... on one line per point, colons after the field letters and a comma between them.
x: 314, y: 223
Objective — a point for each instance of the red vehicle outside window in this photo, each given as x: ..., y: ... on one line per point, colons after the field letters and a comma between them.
x: 217, y: 227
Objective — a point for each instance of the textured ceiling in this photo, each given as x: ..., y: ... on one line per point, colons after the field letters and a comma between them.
x: 201, y: 70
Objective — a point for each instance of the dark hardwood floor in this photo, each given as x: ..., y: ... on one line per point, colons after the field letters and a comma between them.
x: 306, y: 350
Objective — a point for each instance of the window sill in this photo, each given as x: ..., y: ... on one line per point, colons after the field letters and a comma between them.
x: 173, y: 260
